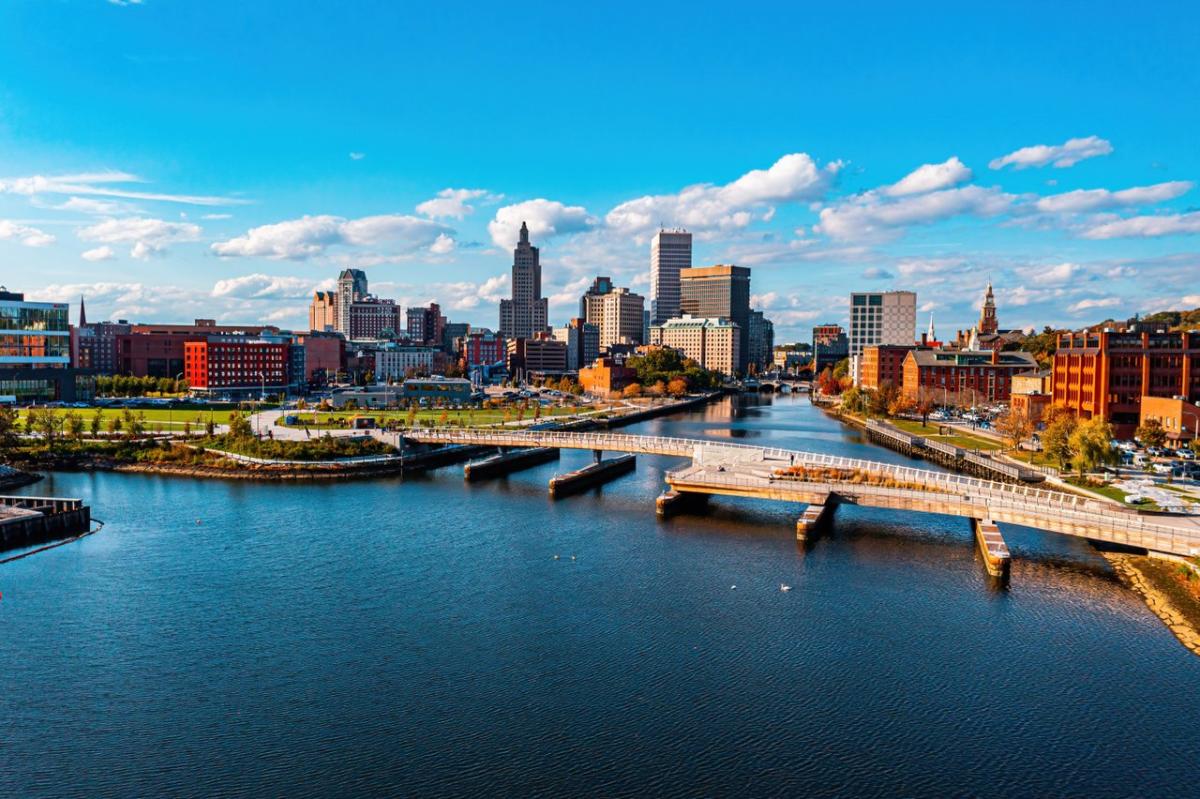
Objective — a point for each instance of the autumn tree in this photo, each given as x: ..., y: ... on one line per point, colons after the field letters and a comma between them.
x: 678, y: 387
x: 1056, y: 438
x: 1151, y: 433
x: 73, y: 424
x: 1014, y: 426
x: 632, y: 390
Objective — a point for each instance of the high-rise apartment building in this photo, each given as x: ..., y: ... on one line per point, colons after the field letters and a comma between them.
x: 882, y: 317
x: 719, y: 291
x: 525, y: 314
x: 830, y: 345
x: 322, y: 312
x: 351, y: 288
x: 583, y: 343
x: 601, y: 285
x: 761, y: 332
x: 710, y: 342
x: 426, y: 325
x: 617, y: 314
x: 670, y: 253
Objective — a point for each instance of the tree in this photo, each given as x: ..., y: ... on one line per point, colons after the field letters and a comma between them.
x: 632, y: 390
x: 73, y: 423
x: 678, y: 387
x: 44, y: 423
x: 1151, y: 433
x: 923, y: 408
x: 1092, y: 442
x: 8, y: 431
x: 1015, y: 426
x: 95, y: 422
x: 899, y: 405
x: 239, y: 426
x: 113, y: 425
x: 1056, y: 438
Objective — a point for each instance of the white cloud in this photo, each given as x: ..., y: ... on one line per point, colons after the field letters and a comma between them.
x: 869, y: 215
x: 930, y: 177
x: 1067, y: 154
x: 85, y: 205
x: 877, y: 273
x: 266, y: 287
x: 708, y: 207
x: 1094, y: 302
x: 452, y: 203
x: 443, y: 245
x: 1100, y: 199
x: 1146, y: 226
x: 102, y: 253
x: 216, y: 216
x: 101, y: 184
x: 1055, y: 275
x: 355, y: 156
x: 545, y: 218
x: 297, y: 239
x: 147, y: 236
x: 29, y: 236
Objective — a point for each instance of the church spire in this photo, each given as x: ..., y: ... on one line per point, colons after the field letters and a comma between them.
x: 82, y: 312
x: 931, y: 336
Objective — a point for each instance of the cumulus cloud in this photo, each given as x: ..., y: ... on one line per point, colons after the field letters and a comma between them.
x: 871, y: 215
x: 266, y: 287
x: 146, y: 236
x: 102, y: 184
x: 545, y: 218
x: 87, y: 205
x: 355, y: 156
x: 1067, y: 154
x: 442, y: 245
x: 877, y: 273
x: 1146, y: 226
x: 24, y: 234
x: 1055, y: 275
x: 102, y: 253
x: 1094, y: 302
x: 930, y: 177
x: 1083, y: 200
x: 453, y: 203
x: 297, y: 239
x: 708, y: 207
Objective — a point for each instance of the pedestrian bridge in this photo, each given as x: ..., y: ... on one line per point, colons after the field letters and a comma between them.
x: 818, y: 479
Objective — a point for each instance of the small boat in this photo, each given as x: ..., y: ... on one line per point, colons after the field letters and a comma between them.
x: 784, y: 587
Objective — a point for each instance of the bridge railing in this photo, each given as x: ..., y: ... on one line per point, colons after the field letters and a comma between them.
x: 1129, y: 529
x: 686, y: 447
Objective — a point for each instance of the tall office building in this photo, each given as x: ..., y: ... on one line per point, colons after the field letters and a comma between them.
x: 670, y: 252
x: 719, y: 291
x: 351, y: 288
x: 525, y: 314
x: 882, y: 317
x: 761, y: 332
x: 35, y: 352
x: 617, y: 313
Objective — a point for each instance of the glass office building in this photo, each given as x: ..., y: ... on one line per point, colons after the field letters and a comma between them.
x: 35, y: 353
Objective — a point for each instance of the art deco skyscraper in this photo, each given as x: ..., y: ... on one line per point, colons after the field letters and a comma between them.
x: 525, y: 314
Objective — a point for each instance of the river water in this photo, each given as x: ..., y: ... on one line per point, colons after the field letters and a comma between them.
x: 418, y: 638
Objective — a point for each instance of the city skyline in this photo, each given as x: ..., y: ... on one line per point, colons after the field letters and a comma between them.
x: 1081, y: 211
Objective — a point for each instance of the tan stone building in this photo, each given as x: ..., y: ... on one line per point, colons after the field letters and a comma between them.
x: 713, y: 342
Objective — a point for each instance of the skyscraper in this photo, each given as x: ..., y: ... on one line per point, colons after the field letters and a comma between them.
x: 719, y: 291
x: 670, y: 252
x: 525, y: 314
x: 617, y: 314
x: 351, y: 288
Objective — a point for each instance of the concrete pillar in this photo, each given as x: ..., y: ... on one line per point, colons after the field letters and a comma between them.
x: 597, y: 455
x: 991, y: 545
x: 671, y: 502
x: 815, y: 516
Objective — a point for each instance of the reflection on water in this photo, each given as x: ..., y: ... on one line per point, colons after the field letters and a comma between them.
x: 418, y: 637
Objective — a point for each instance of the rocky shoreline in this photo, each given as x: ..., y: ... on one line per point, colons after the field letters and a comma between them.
x: 1132, y: 572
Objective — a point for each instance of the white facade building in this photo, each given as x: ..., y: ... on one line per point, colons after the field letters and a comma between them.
x: 670, y: 251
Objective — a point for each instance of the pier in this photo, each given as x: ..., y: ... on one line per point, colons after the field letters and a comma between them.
x: 594, y: 474
x: 508, y: 462
x: 816, y: 517
x: 25, y: 521
x: 991, y: 545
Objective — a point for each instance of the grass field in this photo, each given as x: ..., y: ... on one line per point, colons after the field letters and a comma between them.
x: 155, y: 417
x: 469, y: 417
x: 958, y: 439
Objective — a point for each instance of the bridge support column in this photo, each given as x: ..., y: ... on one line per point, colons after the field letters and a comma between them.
x: 671, y: 502
x: 815, y: 517
x: 991, y: 545
x: 597, y: 455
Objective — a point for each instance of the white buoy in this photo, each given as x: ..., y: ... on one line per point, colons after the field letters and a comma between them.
x: 733, y: 588
x: 783, y: 587
x: 556, y: 557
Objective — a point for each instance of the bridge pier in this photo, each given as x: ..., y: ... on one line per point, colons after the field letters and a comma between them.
x: 671, y: 502
x: 597, y: 456
x: 591, y: 475
x: 991, y: 545
x: 815, y: 517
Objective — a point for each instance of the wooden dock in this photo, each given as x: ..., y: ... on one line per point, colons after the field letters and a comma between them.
x: 25, y: 521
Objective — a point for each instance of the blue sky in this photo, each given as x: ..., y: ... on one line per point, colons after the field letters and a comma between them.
x: 171, y: 159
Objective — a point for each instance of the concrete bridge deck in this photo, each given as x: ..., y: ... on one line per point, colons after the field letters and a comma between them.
x: 750, y: 471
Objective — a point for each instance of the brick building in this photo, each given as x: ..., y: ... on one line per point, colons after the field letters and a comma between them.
x: 882, y: 364
x: 963, y: 377
x: 1106, y: 373
x: 605, y: 376
x: 237, y: 366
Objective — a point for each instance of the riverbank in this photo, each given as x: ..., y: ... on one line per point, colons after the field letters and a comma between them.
x: 1166, y: 592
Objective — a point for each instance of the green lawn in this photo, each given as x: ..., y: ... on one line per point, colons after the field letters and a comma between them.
x: 957, y: 439
x: 1110, y: 491
x: 155, y: 417
x: 470, y: 417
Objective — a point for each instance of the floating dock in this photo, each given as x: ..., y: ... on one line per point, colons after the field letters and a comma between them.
x: 991, y: 545
x: 593, y: 474
x: 671, y: 502
x: 507, y: 462
x: 25, y: 521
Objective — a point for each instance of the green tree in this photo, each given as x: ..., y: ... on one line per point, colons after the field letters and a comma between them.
x: 1151, y: 433
x: 1092, y: 443
x: 95, y: 422
x: 239, y: 426
x: 45, y: 423
x: 73, y: 424
x: 113, y: 425
x: 1056, y: 438
x: 9, y: 420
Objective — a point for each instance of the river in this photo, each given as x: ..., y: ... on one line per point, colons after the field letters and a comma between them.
x: 418, y: 637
